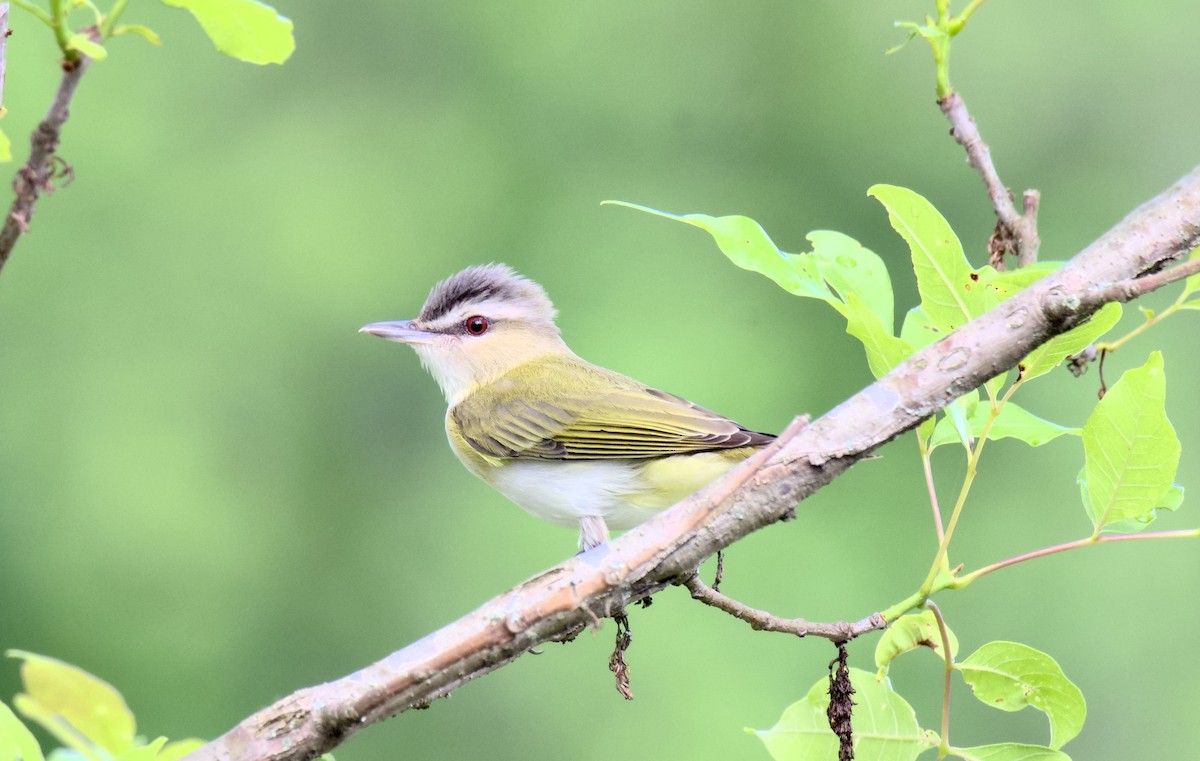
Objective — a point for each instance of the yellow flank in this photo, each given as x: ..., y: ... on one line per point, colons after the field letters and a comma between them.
x: 669, y: 479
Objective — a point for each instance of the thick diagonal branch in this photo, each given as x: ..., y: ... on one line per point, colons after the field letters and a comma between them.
x: 37, y: 173
x: 559, y: 602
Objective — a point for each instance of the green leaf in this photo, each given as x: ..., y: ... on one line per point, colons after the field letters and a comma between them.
x: 1010, y: 676
x: 1170, y: 501
x: 748, y: 246
x: 17, y: 743
x: 1192, y: 284
x: 956, y: 425
x: 854, y: 270
x: 86, y: 45
x: 1048, y: 356
x: 884, y: 351
x: 951, y: 292
x: 918, y: 331
x: 5, y: 147
x: 925, y: 432
x: 1009, y: 752
x: 908, y: 633
x: 885, y: 726
x: 143, y: 752
x: 244, y: 29
x: 177, y: 749
x: 77, y: 708
x: 1001, y: 286
x: 138, y: 29
x: 1130, y: 449
x: 1013, y: 422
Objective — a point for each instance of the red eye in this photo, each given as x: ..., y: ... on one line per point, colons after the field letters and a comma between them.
x: 476, y: 325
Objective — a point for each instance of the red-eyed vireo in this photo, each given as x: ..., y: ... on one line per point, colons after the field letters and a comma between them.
x: 570, y: 442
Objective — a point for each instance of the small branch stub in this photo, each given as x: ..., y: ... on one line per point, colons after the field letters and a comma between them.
x: 1016, y: 232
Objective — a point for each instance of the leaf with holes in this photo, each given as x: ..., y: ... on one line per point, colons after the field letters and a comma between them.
x: 854, y: 271
x: 1010, y: 676
x: 885, y: 726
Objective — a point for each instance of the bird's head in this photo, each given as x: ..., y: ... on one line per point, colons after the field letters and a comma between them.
x: 477, y: 325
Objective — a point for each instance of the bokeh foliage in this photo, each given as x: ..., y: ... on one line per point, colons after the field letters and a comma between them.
x: 213, y: 492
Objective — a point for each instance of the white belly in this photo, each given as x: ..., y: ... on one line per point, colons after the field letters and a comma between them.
x: 563, y: 492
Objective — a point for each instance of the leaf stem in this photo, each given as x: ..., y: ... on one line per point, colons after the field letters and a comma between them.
x: 944, y: 745
x: 964, y: 580
x: 940, y: 563
x: 927, y: 466
x: 110, y: 20
x: 62, y: 34
x: 36, y: 10
x: 1154, y: 319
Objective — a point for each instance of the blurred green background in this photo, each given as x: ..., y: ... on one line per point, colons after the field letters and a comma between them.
x: 214, y: 492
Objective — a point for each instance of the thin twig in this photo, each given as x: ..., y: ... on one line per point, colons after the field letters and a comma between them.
x: 761, y: 620
x: 1015, y: 231
x: 3, y: 51
x: 35, y: 176
x: 1134, y: 287
x: 927, y: 467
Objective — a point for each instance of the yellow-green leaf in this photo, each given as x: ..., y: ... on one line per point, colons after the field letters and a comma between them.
x: 1010, y: 676
x: 87, y: 46
x: 748, y: 246
x: 885, y: 726
x: 1009, y: 752
x: 910, y: 632
x: 884, y: 351
x: 17, y: 743
x: 177, y: 749
x: 1013, y: 422
x: 1130, y: 448
x: 143, y: 752
x: 244, y: 29
x: 76, y: 707
x: 138, y: 29
x: 852, y: 269
x: 1050, y: 354
x: 952, y: 293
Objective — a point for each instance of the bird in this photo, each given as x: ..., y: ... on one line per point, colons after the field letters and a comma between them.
x: 568, y: 441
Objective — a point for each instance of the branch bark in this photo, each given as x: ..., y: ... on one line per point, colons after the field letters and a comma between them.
x: 761, y: 620
x: 36, y: 175
x: 1015, y: 230
x: 560, y: 602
